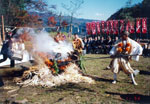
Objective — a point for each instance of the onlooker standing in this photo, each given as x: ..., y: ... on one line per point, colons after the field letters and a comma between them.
x: 5, y: 51
x: 85, y: 41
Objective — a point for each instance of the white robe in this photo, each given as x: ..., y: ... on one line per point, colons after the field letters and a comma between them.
x: 136, y: 49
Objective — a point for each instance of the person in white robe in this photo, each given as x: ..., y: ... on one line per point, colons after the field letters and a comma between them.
x: 125, y: 50
x: 17, y: 49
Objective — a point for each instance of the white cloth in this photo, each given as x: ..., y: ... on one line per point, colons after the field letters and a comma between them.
x: 16, y: 50
x: 121, y: 64
x: 135, y: 50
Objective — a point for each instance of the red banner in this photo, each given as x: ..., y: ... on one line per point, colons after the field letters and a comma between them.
x: 132, y: 30
x: 130, y: 27
x: 103, y: 26
x: 107, y: 27
x: 121, y: 26
x: 93, y: 27
x: 138, y: 25
x: 116, y: 27
x: 111, y: 27
x: 98, y: 28
x: 88, y: 28
x: 144, y: 25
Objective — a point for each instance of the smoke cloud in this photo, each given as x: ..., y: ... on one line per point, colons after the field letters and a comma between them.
x: 43, y: 42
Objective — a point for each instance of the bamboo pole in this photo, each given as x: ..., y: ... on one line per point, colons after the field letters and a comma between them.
x: 3, y: 30
x: 0, y: 37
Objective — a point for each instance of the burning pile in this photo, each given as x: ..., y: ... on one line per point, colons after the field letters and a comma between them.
x: 55, y: 65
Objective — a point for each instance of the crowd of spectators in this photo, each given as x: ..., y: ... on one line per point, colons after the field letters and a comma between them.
x: 102, y: 45
x: 98, y: 45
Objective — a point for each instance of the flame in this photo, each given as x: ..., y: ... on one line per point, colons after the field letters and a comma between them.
x: 49, y: 63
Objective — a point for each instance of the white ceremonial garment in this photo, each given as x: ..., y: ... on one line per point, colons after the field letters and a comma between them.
x: 136, y: 49
x: 122, y: 63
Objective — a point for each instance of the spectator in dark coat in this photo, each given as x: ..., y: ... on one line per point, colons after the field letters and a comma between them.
x: 4, y: 51
x: 108, y: 44
x: 101, y: 45
x: 95, y: 45
x: 89, y: 45
x: 116, y: 38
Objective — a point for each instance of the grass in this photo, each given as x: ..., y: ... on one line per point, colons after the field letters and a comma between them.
x: 103, y: 91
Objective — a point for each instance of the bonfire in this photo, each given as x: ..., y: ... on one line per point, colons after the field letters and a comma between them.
x: 55, y: 63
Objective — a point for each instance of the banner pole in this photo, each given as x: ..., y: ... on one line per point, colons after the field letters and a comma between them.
x: 3, y: 30
x: 0, y: 36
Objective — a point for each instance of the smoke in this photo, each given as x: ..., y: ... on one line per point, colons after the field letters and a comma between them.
x: 41, y: 74
x: 43, y: 42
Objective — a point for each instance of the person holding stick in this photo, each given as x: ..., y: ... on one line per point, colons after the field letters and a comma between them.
x: 124, y: 50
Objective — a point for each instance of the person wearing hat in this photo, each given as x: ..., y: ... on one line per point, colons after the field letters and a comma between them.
x: 123, y: 51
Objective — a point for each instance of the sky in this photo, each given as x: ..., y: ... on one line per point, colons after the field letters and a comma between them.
x: 93, y: 9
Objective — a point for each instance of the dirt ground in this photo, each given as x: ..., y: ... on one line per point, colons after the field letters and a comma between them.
x: 103, y: 92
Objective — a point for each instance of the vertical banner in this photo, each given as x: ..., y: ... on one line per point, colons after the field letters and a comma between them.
x: 128, y: 26
x: 107, y: 27
x: 116, y: 25
x: 88, y: 28
x: 111, y: 27
x: 138, y: 25
x: 103, y: 26
x: 93, y: 27
x: 98, y: 27
x: 132, y: 30
x: 144, y: 25
x: 121, y: 26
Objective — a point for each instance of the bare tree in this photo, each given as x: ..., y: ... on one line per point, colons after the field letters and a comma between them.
x: 60, y: 17
x: 72, y: 9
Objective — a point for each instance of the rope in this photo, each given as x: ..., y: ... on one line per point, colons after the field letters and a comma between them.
x: 117, y: 56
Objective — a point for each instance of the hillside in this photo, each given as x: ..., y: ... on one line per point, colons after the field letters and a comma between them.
x: 135, y: 11
x: 46, y: 15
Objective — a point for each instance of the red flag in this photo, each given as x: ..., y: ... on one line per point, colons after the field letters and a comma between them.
x: 103, y: 26
x: 107, y: 27
x: 121, y: 26
x: 138, y: 25
x: 132, y: 30
x: 130, y: 27
x: 88, y: 28
x: 144, y: 25
x: 93, y: 27
x: 111, y: 27
x: 98, y: 27
x: 116, y: 31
